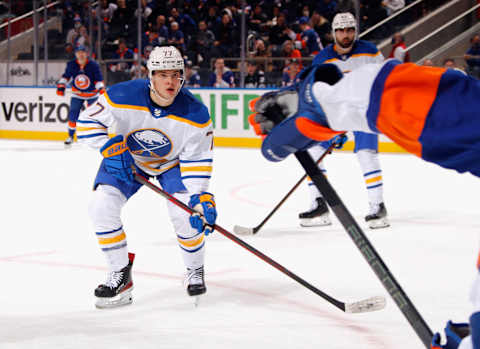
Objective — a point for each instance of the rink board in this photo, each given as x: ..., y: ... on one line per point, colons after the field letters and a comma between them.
x: 39, y: 114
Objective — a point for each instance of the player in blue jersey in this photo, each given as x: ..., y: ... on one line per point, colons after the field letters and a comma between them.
x: 164, y: 132
x: 87, y: 84
x: 428, y: 111
x: 348, y: 54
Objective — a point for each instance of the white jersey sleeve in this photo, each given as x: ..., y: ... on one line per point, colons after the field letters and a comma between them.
x: 196, y: 160
x: 93, y: 123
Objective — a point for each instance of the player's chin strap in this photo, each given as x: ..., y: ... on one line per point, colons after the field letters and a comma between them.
x: 165, y: 100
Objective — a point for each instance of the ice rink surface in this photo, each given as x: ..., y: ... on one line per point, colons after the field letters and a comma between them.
x: 50, y: 262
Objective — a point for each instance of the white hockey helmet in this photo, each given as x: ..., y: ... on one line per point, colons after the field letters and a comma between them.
x: 165, y: 58
x: 344, y: 20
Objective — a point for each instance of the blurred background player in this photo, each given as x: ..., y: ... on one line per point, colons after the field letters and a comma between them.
x: 348, y: 54
x: 87, y: 84
x: 166, y: 133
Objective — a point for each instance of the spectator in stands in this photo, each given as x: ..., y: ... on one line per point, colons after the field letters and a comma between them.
x: 212, y: 18
x: 192, y: 78
x: 176, y: 37
x: 221, y: 76
x: 345, y: 6
x: 399, y: 49
x: 373, y: 12
x: 257, y: 19
x: 290, y: 73
x: 255, y: 78
x: 121, y: 20
x: 226, y: 36
x: 428, y: 63
x: 186, y: 23
x: 322, y: 27
x: 145, y: 11
x: 74, y: 33
x: 201, y: 10
x: 290, y: 52
x: 326, y: 8
x: 393, y: 5
x: 309, y: 38
x: 161, y: 29
x: 68, y: 54
x: 82, y: 39
x: 107, y: 10
x: 260, y: 51
x: 123, y: 52
x: 277, y: 34
x: 472, y: 57
x: 151, y: 39
x: 449, y: 63
x: 203, y: 43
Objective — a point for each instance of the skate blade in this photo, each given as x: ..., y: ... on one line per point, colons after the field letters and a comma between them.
x: 119, y: 300
x: 196, y: 300
x: 320, y: 221
x: 379, y: 223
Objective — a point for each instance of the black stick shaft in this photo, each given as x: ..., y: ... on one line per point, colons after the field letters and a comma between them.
x: 258, y: 227
x: 262, y: 256
x: 366, y: 248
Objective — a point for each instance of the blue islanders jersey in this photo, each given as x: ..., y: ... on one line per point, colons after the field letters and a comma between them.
x: 86, y: 80
x: 363, y: 52
x: 159, y: 138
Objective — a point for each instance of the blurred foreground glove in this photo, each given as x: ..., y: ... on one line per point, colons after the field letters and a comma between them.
x: 292, y: 118
x: 454, y: 333
x: 61, y: 89
x: 204, y: 204
x: 118, y: 161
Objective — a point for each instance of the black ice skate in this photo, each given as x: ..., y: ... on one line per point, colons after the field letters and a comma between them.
x: 195, y: 283
x: 117, y: 290
x: 377, y: 218
x: 68, y: 142
x: 319, y: 216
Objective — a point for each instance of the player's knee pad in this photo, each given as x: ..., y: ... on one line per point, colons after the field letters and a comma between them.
x: 105, y: 208
x: 368, y: 159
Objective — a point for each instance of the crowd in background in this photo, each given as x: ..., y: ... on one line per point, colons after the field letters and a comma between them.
x: 281, y: 37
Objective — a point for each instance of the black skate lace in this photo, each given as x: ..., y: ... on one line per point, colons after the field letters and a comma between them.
x: 113, y: 279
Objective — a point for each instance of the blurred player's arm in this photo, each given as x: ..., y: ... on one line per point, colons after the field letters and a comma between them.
x: 93, y: 123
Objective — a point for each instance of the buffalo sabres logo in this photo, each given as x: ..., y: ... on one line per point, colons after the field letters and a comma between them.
x: 149, y: 142
x: 81, y: 81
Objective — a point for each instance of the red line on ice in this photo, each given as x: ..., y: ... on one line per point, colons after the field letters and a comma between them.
x: 370, y: 335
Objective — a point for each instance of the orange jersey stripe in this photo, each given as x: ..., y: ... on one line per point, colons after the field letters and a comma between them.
x: 408, y: 95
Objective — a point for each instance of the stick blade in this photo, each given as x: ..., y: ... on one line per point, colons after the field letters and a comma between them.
x: 243, y: 230
x: 366, y: 305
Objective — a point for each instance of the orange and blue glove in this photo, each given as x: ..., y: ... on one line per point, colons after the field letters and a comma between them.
x: 206, y: 213
x: 61, y: 89
x: 117, y: 159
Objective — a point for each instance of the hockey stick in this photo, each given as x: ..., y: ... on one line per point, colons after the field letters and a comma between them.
x: 366, y: 248
x: 363, y: 306
x: 251, y: 231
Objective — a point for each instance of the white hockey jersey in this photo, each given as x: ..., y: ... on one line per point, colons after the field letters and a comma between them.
x: 159, y: 138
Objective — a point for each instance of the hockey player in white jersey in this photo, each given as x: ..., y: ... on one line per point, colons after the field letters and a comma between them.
x: 347, y: 54
x: 164, y: 132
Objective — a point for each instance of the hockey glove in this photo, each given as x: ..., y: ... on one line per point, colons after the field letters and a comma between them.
x: 292, y: 117
x: 206, y: 213
x: 339, y: 141
x: 454, y: 333
x: 61, y: 89
x: 118, y: 161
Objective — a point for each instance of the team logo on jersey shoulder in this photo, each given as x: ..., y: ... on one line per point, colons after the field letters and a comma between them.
x: 149, y: 142
x: 81, y: 81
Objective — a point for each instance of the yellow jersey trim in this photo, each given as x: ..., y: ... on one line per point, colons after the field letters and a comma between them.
x: 124, y: 106
x: 196, y: 169
x: 190, y: 122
